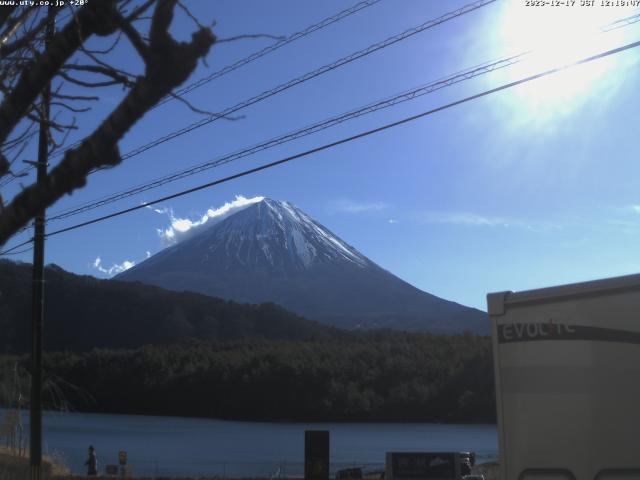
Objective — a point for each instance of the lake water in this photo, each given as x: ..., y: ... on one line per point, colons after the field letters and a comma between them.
x: 203, y: 447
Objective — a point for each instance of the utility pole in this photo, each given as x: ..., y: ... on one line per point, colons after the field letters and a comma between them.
x: 35, y: 410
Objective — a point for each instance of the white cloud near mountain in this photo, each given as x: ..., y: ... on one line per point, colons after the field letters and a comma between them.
x: 350, y: 206
x: 182, y: 228
x: 114, y: 269
x: 157, y: 210
x: 467, y: 219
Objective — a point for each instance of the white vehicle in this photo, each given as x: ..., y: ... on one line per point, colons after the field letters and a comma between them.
x: 567, y: 369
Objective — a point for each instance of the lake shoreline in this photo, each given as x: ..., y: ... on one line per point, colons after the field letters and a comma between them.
x: 281, y: 421
x: 196, y: 447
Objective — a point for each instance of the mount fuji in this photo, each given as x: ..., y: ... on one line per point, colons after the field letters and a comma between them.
x: 271, y: 251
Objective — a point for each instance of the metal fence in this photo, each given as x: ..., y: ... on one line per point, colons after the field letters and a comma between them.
x: 153, y: 468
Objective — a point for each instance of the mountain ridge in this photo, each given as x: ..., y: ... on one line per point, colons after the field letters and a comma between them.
x: 273, y: 251
x: 84, y: 312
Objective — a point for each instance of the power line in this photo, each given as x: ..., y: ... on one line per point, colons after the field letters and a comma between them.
x: 472, y: 72
x: 8, y: 178
x: 8, y: 251
x: 303, y: 132
x: 259, y: 54
x: 616, y: 24
x: 272, y: 48
x: 370, y: 108
x: 342, y: 141
x: 620, y: 23
x: 306, y: 77
x: 353, y: 137
x: 311, y: 75
x: 623, y: 22
x: 20, y: 252
x: 318, y: 72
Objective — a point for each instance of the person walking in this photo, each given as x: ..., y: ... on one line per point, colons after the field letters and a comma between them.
x: 92, y: 462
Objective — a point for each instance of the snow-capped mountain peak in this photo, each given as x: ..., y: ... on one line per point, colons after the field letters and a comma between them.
x: 277, y: 234
x: 308, y: 239
x: 271, y: 251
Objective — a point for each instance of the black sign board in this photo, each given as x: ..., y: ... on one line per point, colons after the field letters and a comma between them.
x: 316, y: 455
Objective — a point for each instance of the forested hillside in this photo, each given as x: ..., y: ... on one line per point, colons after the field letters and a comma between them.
x: 83, y: 312
x: 380, y: 376
x: 172, y: 353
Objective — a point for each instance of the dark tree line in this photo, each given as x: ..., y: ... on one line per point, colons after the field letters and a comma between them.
x: 378, y: 376
x: 125, y: 347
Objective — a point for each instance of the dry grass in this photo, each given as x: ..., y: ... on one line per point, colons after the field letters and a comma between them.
x: 13, y: 467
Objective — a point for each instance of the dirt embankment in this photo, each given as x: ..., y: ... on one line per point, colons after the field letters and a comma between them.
x: 14, y: 467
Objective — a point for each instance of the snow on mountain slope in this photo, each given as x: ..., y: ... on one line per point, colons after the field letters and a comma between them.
x: 273, y: 251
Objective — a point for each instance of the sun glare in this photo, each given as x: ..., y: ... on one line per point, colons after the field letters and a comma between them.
x: 557, y: 36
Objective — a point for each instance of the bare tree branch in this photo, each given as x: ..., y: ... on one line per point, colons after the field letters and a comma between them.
x: 75, y: 97
x: 140, y: 19
x: 87, y: 84
x: 57, y: 145
x: 168, y: 65
x: 14, y: 25
x: 23, y: 41
x: 94, y: 18
x: 204, y: 112
x: 135, y: 15
x: 98, y: 61
x: 5, y: 13
x: 113, y: 73
x: 190, y: 15
x: 52, y: 141
x: 60, y: 127
x: 70, y: 108
x: 134, y: 37
x: 107, y: 50
x: 4, y: 165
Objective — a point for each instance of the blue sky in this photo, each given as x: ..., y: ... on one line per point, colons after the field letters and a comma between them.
x: 525, y: 188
